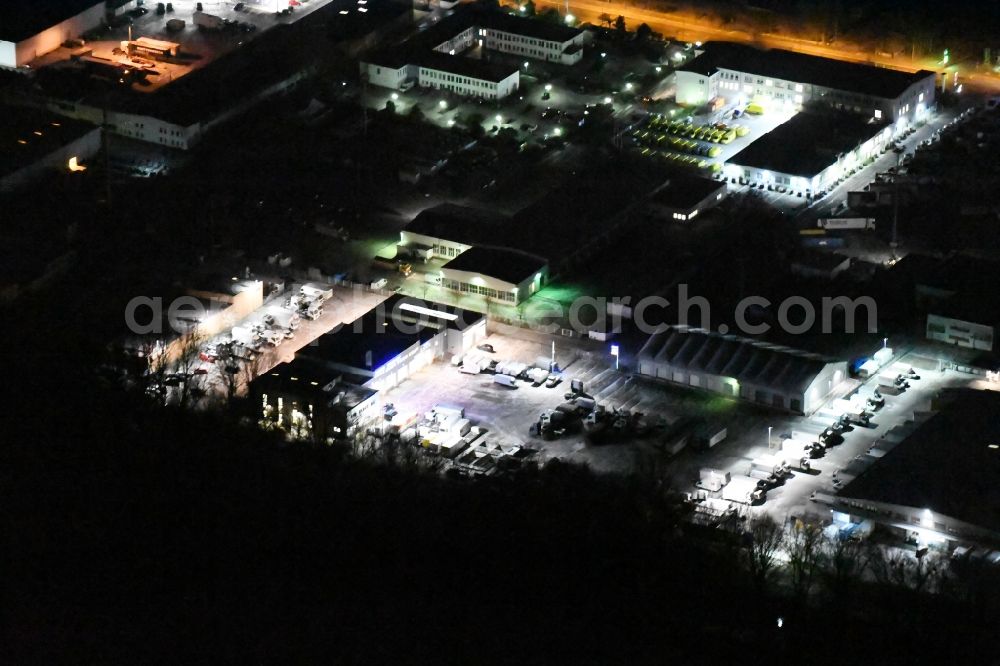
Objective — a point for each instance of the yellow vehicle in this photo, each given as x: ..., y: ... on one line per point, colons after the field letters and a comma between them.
x: 755, y: 109
x: 405, y: 269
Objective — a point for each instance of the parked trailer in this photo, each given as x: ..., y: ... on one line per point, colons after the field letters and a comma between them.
x: 742, y: 490
x: 712, y: 479
x: 315, y: 293
x: 505, y: 380
x: 798, y: 452
x: 854, y: 411
x: 207, y: 21
x: 866, y: 223
x: 706, y: 436
x: 771, y: 464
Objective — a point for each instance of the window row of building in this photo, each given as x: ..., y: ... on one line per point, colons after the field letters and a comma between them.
x: 489, y: 292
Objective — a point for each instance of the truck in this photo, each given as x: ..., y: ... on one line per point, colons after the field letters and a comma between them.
x: 282, y: 318
x: 537, y: 376
x: 707, y: 435
x: 712, y: 479
x: 315, y: 293
x: 742, y: 490
x: 505, y: 380
x: 771, y: 464
x: 865, y: 223
x: 208, y: 22
x: 856, y: 412
x: 799, y: 452
x: 821, y: 437
x: 892, y: 383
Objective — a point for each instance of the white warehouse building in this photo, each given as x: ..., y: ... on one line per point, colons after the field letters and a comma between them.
x: 785, y: 80
x: 30, y: 30
x: 810, y: 152
x: 736, y: 367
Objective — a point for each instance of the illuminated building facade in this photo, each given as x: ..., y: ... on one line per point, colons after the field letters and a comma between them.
x: 786, y: 81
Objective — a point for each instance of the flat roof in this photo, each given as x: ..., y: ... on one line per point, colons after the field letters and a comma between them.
x: 457, y: 64
x: 513, y: 266
x: 527, y: 26
x: 470, y: 15
x: 946, y: 465
x: 21, y: 20
x: 28, y: 135
x: 459, y: 224
x: 808, y: 143
x: 802, y: 68
x: 684, y: 192
x: 308, y: 376
x: 385, y: 331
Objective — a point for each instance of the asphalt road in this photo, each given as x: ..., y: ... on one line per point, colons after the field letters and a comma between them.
x: 687, y: 29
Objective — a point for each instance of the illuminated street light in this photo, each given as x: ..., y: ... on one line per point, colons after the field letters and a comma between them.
x: 607, y: 100
x: 443, y: 104
x: 548, y: 87
x: 499, y: 119
x: 628, y: 86
x: 603, y: 54
x: 451, y: 122
x: 522, y: 8
x: 570, y: 19
x: 557, y: 131
x: 394, y: 96
x: 658, y: 69
x: 526, y: 63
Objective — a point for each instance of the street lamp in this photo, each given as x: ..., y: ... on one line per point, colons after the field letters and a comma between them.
x: 607, y: 100
x: 557, y: 131
x: 443, y: 104
x: 394, y: 96
x: 769, y: 436
x: 628, y: 86
x: 614, y: 352
x: 548, y: 87
x: 499, y: 119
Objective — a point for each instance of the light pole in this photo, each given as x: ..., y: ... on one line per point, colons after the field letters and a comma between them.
x: 769, y: 437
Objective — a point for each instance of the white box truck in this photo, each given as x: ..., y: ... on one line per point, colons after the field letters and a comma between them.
x: 712, y: 479
x: 834, y: 223
x: 505, y: 380
x: 798, y: 452
x: 742, y: 490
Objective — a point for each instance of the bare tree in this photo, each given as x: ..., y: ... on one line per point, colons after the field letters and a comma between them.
x: 764, y: 537
x: 804, y: 545
x: 845, y: 560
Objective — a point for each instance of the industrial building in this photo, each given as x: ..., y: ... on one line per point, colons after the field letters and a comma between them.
x: 743, y: 368
x: 499, y: 274
x: 448, y: 230
x: 394, y: 340
x: 30, y: 30
x: 959, y: 311
x: 809, y: 153
x: 36, y: 143
x: 312, y: 401
x: 433, y: 58
x: 684, y: 197
x: 783, y: 80
x: 935, y: 484
x: 431, y: 69
x: 463, y: 237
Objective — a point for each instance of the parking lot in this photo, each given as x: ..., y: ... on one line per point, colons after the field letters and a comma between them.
x: 197, y: 48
